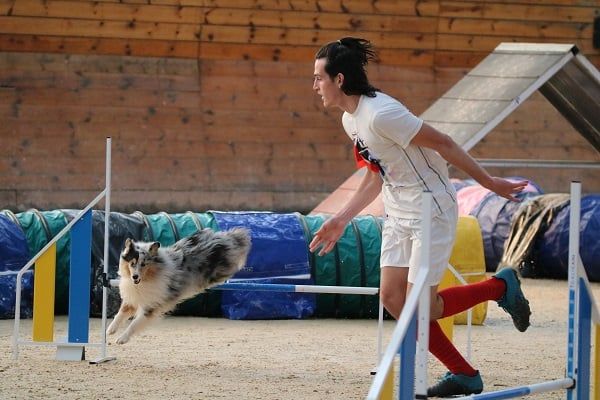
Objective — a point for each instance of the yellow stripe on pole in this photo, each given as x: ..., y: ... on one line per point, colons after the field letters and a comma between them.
x: 387, y: 391
x: 43, y: 296
x: 596, y: 372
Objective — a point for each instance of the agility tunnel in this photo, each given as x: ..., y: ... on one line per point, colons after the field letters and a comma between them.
x: 494, y: 213
x: 532, y: 234
x: 279, y: 255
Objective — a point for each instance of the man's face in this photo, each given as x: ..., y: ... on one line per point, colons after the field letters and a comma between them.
x: 329, y: 89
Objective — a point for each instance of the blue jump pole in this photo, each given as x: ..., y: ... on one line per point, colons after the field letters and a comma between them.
x: 79, y: 280
x: 406, y: 379
x: 274, y: 287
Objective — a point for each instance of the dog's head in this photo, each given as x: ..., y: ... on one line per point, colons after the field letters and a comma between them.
x: 138, y: 260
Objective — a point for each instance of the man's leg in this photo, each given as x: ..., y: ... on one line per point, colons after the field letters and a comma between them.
x: 459, y: 298
x: 462, y: 378
x: 504, y: 287
x: 392, y: 289
x: 439, y: 344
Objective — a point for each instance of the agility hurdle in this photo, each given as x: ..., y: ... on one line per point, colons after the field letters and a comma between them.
x: 72, y: 348
x: 583, y: 310
x: 274, y: 287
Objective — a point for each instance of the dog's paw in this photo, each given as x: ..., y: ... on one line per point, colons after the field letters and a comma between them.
x: 123, y: 339
x: 112, y: 328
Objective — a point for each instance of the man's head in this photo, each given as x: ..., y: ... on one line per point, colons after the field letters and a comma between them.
x: 343, y: 62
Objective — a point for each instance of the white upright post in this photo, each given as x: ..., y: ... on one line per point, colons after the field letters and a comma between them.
x: 380, y: 331
x: 379, y: 337
x: 103, y: 357
x: 574, y: 216
x: 424, y: 303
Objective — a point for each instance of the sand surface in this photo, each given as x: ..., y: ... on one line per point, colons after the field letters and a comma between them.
x: 214, y: 358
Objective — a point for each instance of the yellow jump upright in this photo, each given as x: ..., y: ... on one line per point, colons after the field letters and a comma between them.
x: 387, y: 393
x: 43, y: 296
x: 468, y: 258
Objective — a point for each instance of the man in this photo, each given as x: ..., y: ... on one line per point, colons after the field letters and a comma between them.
x: 405, y: 157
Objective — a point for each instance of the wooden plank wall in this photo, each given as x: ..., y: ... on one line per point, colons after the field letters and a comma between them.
x: 209, y: 102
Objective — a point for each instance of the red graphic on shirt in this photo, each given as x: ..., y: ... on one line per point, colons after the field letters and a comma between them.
x: 364, y: 159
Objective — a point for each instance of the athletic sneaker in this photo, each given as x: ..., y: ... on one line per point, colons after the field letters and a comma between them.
x: 514, y: 301
x: 456, y: 385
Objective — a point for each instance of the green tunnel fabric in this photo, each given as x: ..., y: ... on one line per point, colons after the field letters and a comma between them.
x: 354, y: 261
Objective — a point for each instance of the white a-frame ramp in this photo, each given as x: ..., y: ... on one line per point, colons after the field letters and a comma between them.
x: 506, y: 78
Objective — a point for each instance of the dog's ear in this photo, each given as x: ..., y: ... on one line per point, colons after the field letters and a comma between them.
x: 128, y: 245
x: 129, y: 253
x: 153, y: 250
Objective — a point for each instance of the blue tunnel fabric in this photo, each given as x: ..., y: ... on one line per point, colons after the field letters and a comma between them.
x: 552, y: 249
x: 14, y: 254
x: 278, y: 255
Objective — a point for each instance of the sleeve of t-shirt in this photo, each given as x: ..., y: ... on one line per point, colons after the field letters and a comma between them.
x: 345, y: 125
x: 397, y: 124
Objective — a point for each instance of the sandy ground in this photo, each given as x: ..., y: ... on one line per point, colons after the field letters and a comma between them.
x: 206, y: 358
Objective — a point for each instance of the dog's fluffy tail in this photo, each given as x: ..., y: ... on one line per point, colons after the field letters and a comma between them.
x: 216, y: 256
x: 241, y: 245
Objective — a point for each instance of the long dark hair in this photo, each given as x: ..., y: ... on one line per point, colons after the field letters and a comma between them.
x: 349, y: 56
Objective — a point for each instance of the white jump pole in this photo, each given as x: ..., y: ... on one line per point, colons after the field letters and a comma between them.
x: 275, y: 287
x: 574, y: 216
x: 103, y: 357
x: 424, y: 302
x: 524, y: 390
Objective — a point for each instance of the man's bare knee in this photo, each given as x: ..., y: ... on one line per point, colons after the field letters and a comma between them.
x: 393, y: 301
x: 436, y: 307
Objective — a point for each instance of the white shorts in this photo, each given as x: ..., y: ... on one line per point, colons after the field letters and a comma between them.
x: 401, y: 244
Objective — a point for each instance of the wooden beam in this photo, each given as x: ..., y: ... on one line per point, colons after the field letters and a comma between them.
x: 523, y: 28
x: 221, y: 16
x: 98, y: 28
x: 480, y: 43
x: 113, y: 46
x: 394, y: 7
x: 520, y: 12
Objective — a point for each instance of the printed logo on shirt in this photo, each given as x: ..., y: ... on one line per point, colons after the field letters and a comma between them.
x: 364, y: 158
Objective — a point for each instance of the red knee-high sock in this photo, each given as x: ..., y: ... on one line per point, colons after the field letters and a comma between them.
x: 443, y: 349
x: 460, y: 298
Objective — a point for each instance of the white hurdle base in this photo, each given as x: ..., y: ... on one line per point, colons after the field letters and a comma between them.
x: 520, y: 391
x: 102, y: 360
x: 70, y: 353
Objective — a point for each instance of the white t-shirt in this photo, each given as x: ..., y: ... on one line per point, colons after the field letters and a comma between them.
x: 384, y: 127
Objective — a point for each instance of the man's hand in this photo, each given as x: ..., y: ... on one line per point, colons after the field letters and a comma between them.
x: 327, y: 236
x: 506, y: 188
